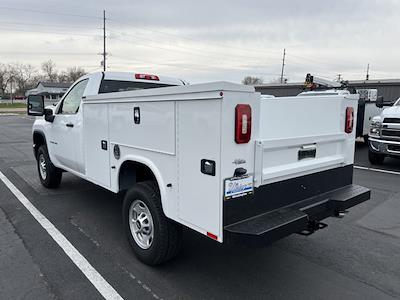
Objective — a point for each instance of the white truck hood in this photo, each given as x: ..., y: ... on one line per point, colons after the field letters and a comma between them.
x: 391, y: 112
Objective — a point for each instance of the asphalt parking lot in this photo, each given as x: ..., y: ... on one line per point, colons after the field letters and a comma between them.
x: 357, y: 257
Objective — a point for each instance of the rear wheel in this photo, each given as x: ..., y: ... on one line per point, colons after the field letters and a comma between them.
x: 375, y: 158
x: 50, y: 176
x: 153, y: 237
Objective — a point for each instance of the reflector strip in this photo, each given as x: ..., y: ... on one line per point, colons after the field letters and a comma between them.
x: 213, y: 236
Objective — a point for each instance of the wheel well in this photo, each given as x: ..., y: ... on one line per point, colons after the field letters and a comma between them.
x: 38, y: 140
x: 132, y: 172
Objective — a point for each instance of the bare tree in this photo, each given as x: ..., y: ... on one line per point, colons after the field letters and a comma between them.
x: 23, y: 76
x: 63, y: 77
x: 74, y: 73
x: 10, y: 83
x: 3, y: 79
x: 19, y: 77
x: 250, y: 80
x: 49, y: 68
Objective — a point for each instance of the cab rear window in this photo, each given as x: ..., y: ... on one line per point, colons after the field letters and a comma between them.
x: 112, y: 86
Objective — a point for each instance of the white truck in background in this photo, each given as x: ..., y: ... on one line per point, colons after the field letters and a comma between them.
x: 368, y: 107
x: 216, y: 157
x: 384, y: 134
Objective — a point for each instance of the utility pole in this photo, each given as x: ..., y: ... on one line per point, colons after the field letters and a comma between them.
x: 339, y: 77
x: 104, y: 40
x: 367, y: 76
x: 283, y: 64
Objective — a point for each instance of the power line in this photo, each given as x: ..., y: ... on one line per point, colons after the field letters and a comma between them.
x: 194, y: 40
x: 140, y: 41
x: 50, y: 32
x: 43, y: 25
x: 45, y: 53
x: 48, y: 12
x: 191, y: 66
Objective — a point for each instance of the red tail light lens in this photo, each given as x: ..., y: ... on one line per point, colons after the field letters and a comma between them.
x: 242, y: 123
x: 147, y: 77
x: 349, y: 120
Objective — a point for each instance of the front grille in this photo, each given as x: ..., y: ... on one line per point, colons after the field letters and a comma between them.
x: 394, y: 148
x: 394, y: 133
x: 391, y: 120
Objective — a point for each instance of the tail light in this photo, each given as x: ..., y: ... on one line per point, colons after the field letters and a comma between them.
x: 147, y: 77
x: 242, y: 123
x: 349, y: 120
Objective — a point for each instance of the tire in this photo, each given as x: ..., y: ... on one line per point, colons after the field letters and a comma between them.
x: 365, y: 137
x: 375, y: 158
x: 161, y: 239
x: 50, y: 176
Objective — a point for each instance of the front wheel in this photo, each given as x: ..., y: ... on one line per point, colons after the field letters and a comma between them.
x: 375, y: 158
x: 50, y: 176
x: 153, y: 237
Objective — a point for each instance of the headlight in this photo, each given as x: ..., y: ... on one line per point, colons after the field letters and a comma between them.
x: 376, y: 123
x: 375, y: 131
x: 375, y: 128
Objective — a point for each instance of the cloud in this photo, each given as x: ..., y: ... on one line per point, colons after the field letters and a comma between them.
x: 204, y: 40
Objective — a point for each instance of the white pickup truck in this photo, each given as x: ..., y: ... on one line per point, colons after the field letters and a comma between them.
x: 216, y: 157
x: 384, y: 134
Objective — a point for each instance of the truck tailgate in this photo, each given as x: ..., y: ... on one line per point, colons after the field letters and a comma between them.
x: 302, y: 135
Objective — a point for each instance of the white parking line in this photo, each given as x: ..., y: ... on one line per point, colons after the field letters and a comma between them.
x: 103, y: 287
x: 377, y: 170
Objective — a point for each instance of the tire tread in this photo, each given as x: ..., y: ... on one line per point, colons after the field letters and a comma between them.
x: 170, y: 236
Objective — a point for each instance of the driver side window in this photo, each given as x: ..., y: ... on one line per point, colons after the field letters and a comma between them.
x: 72, y: 101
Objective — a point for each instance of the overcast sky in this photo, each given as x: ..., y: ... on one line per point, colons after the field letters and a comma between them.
x: 208, y: 40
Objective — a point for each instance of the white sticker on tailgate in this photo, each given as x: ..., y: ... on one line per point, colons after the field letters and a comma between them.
x: 238, y: 186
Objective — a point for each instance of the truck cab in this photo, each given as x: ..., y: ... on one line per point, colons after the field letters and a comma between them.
x: 63, y: 134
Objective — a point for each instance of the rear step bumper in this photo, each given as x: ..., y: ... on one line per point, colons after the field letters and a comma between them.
x: 301, y: 217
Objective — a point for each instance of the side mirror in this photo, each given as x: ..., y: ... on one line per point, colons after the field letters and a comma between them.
x: 35, y: 105
x: 48, y: 115
x: 379, y: 101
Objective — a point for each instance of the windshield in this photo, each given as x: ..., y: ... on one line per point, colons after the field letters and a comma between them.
x: 111, y: 86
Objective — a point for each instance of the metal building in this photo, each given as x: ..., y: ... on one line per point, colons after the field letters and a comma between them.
x: 388, y: 88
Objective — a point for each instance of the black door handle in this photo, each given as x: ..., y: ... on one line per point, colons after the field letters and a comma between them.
x: 69, y: 125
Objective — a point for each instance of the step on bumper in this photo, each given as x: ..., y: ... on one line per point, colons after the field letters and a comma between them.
x: 301, y: 217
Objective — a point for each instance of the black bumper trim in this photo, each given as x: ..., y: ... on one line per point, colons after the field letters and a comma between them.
x: 273, y: 196
x: 298, y: 217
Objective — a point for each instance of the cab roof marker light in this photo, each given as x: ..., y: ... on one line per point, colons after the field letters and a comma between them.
x: 147, y: 77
